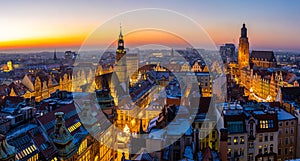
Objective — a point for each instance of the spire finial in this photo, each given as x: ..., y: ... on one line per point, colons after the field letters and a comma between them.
x: 244, y: 31
x: 55, y: 57
x: 120, y: 28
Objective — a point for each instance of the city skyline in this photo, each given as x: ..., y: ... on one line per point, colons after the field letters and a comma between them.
x: 162, y: 90
x: 61, y: 25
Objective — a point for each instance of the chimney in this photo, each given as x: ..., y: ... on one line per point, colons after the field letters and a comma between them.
x: 52, y: 106
x: 61, y: 137
x: 59, y: 123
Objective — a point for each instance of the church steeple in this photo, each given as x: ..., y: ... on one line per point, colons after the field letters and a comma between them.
x: 244, y: 31
x: 120, y: 35
x: 121, y: 67
x: 243, y: 53
x: 120, y: 41
x: 54, y: 55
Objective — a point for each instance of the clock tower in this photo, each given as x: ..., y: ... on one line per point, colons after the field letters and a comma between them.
x: 243, y: 53
x: 121, y: 49
x: 121, y: 68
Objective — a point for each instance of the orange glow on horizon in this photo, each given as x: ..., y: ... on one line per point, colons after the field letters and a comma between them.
x: 133, y: 39
x: 146, y: 37
x: 57, y: 42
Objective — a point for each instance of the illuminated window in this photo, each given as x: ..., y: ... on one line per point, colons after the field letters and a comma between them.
x: 235, y: 140
x: 291, y: 149
x: 229, y: 152
x: 82, y: 146
x: 260, y: 149
x: 265, y: 124
x: 74, y: 127
x: 242, y: 140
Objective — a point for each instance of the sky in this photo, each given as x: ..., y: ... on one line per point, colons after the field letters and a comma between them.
x: 55, y: 24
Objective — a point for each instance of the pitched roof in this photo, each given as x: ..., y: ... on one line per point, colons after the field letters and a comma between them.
x: 47, y: 122
x: 268, y: 55
x: 290, y: 93
x: 47, y: 149
x: 24, y: 147
x: 27, y: 82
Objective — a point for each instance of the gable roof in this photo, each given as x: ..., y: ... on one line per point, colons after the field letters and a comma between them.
x: 290, y: 93
x: 46, y: 147
x: 265, y: 55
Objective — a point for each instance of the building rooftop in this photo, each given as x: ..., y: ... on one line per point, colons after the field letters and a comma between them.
x: 265, y: 55
x: 284, y: 115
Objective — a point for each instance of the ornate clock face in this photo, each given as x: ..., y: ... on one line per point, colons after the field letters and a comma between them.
x: 120, y: 44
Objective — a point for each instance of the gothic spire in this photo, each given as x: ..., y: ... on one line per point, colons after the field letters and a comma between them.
x: 54, y: 56
x: 244, y: 31
x: 120, y: 36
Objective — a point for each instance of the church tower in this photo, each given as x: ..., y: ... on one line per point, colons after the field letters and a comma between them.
x: 121, y: 49
x: 54, y: 55
x: 243, y: 53
x: 121, y: 68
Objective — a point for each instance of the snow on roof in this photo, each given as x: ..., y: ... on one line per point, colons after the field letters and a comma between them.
x: 157, y: 134
x: 283, y: 115
x: 178, y: 127
x: 20, y: 130
x: 259, y: 112
x: 26, y: 108
x: 152, y: 123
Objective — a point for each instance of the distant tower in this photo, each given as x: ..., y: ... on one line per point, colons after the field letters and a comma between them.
x: 121, y: 49
x: 121, y: 68
x: 243, y: 54
x: 54, y: 55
